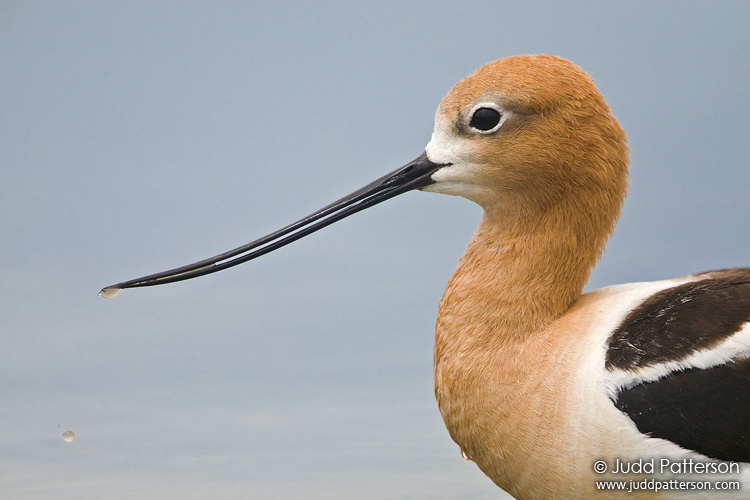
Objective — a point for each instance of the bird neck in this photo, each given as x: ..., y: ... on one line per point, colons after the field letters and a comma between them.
x: 519, y: 274
x: 521, y: 271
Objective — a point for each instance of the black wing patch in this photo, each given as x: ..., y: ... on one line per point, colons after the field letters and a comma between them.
x: 705, y: 410
x: 678, y: 321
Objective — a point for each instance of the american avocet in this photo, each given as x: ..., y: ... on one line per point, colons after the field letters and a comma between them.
x: 545, y: 388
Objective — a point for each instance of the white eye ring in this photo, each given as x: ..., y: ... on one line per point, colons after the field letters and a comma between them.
x: 503, y: 115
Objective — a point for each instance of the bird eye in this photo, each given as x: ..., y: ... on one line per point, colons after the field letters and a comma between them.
x: 485, y: 119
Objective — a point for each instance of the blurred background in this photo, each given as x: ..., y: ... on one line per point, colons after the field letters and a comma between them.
x: 138, y: 136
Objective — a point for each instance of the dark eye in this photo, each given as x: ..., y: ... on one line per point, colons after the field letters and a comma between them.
x: 485, y: 119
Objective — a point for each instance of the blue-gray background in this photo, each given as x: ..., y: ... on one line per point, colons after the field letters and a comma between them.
x: 137, y: 136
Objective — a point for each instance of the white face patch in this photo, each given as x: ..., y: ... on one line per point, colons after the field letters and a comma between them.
x: 462, y: 177
x: 445, y: 145
x: 456, y: 181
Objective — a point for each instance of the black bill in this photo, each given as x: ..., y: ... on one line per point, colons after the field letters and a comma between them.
x: 413, y: 175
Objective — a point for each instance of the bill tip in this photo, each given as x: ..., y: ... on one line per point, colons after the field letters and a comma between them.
x: 109, y: 292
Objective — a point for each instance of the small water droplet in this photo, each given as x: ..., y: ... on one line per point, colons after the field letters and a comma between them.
x: 109, y: 293
x: 465, y: 455
x: 68, y: 436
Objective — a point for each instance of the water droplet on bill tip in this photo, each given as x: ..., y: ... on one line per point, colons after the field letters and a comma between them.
x: 109, y: 293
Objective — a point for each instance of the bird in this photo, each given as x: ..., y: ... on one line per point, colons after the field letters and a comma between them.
x: 550, y: 391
